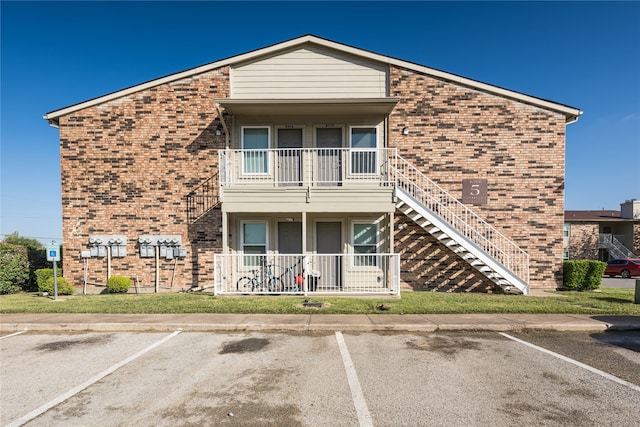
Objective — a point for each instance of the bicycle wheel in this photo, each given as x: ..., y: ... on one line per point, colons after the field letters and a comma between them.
x: 245, y: 284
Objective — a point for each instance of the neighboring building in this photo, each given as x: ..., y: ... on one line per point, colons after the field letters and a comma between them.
x: 603, y: 235
x: 370, y: 172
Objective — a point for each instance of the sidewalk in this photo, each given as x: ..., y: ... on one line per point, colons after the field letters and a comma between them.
x: 10, y: 323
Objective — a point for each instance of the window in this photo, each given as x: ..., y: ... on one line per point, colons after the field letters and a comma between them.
x: 365, y: 242
x: 254, y: 242
x: 255, y: 145
x: 567, y: 231
x: 363, y: 150
x: 565, y: 255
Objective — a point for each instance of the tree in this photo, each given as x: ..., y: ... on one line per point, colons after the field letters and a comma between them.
x: 29, y: 243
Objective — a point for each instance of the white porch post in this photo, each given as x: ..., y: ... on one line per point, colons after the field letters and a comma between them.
x: 304, y: 248
x: 225, y: 233
x: 391, y: 232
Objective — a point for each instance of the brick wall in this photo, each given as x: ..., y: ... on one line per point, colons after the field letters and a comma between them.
x: 127, y: 168
x: 427, y: 265
x: 583, y: 241
x: 129, y: 164
x: 636, y: 238
x: 457, y: 132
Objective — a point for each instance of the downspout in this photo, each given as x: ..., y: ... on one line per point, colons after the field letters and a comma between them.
x: 224, y: 126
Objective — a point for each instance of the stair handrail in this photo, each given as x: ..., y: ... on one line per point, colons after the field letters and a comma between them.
x: 482, y: 234
x: 618, y: 249
x: 203, y: 198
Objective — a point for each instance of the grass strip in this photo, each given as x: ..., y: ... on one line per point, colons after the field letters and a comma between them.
x: 608, y: 301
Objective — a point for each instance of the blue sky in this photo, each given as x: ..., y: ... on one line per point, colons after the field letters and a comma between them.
x: 583, y: 54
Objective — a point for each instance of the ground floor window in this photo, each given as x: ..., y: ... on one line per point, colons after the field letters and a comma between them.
x: 565, y: 255
x: 254, y: 242
x: 365, y: 244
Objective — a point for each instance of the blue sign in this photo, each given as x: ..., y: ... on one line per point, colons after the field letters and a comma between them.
x: 53, y: 252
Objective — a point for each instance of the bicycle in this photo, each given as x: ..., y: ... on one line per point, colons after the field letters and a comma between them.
x: 262, y: 280
x: 291, y: 281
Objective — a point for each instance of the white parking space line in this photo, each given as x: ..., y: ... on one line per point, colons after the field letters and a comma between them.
x: 575, y: 362
x: 12, y: 335
x: 42, y: 409
x: 364, y: 417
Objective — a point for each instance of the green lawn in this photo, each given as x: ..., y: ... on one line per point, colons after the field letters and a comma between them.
x: 608, y: 301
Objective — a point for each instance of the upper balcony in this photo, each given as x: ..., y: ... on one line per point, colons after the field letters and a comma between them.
x: 306, y: 179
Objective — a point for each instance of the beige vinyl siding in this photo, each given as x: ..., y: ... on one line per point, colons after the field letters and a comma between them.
x: 309, y: 72
x: 361, y: 198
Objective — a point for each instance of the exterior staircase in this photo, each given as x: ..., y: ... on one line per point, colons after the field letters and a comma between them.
x: 458, y: 228
x: 614, y: 246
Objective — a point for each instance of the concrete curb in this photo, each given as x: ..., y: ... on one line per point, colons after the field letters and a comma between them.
x: 313, y: 323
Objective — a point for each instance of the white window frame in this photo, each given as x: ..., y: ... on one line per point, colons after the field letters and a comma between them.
x: 242, y: 243
x: 353, y: 151
x: 246, y: 151
x: 565, y: 255
x: 566, y: 230
x: 376, y: 224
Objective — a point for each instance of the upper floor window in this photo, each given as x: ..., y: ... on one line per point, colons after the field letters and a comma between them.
x: 255, y: 145
x: 567, y: 230
x: 363, y: 143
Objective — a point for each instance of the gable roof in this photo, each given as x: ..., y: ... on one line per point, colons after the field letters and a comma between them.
x: 592, y: 216
x: 571, y: 114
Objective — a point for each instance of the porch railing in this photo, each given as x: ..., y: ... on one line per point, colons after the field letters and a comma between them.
x: 307, y: 274
x: 304, y: 167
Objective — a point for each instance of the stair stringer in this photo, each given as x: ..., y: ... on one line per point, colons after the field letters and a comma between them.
x: 497, y: 273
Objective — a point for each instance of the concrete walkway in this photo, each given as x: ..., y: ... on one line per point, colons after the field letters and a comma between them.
x: 10, y: 323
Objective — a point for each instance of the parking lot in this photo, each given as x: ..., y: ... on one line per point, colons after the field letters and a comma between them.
x: 320, y: 379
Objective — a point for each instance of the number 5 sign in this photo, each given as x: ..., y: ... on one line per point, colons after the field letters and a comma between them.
x: 474, y: 191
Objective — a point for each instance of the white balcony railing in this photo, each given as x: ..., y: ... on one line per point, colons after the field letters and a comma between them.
x: 304, y: 167
x: 307, y: 274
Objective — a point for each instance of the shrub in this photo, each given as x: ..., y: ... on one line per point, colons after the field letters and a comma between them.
x: 118, y: 284
x: 8, y: 288
x: 36, y: 254
x: 593, y: 279
x: 582, y: 275
x: 44, y: 274
x: 14, y: 268
x: 64, y: 288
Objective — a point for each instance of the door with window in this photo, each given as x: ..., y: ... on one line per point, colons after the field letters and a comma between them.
x: 329, y: 246
x: 329, y: 161
x: 290, y: 156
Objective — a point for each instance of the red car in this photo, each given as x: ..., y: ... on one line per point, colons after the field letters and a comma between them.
x: 625, y: 267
